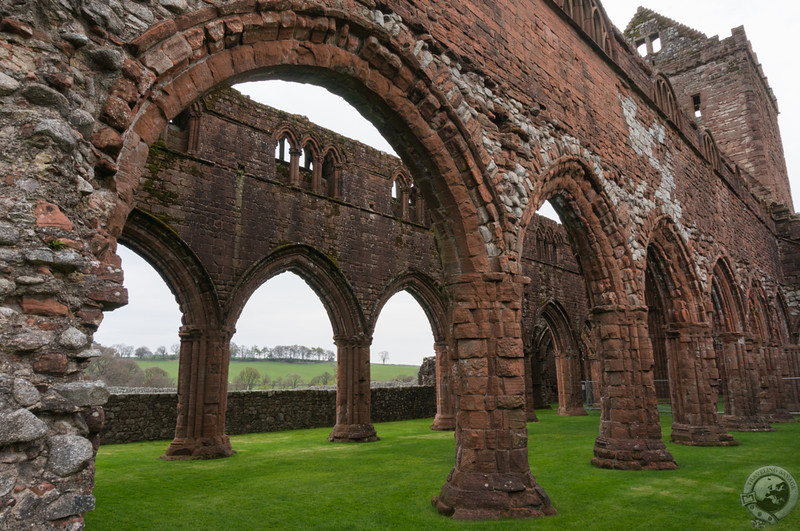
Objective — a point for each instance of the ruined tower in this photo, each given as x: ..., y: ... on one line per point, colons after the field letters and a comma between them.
x: 722, y: 85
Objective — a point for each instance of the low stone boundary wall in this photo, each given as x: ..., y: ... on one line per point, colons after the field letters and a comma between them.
x: 131, y: 417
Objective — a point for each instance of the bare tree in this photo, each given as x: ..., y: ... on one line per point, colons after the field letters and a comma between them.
x: 383, y: 355
x: 248, y: 379
x: 157, y: 377
x: 294, y: 380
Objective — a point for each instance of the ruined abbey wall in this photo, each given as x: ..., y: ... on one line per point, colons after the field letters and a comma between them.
x: 494, y: 108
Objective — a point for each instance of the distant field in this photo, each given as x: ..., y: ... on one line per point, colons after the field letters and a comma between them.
x: 275, y: 369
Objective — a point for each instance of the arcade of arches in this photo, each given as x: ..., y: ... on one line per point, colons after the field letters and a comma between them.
x: 673, y: 276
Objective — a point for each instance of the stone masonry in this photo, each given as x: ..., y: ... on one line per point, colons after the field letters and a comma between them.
x: 684, y: 242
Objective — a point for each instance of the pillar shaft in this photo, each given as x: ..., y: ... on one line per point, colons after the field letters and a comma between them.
x: 771, y: 393
x: 742, y: 410
x: 568, y: 373
x: 352, y: 391
x: 630, y: 429
x: 491, y: 477
x: 445, y: 401
x: 202, y: 396
x: 693, y: 374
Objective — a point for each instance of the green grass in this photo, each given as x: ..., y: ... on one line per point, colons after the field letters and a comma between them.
x: 297, y: 480
x: 277, y: 369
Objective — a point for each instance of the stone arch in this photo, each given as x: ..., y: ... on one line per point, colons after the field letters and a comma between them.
x: 287, y: 154
x: 331, y: 172
x: 310, y: 168
x: 592, y: 19
x: 665, y: 98
x: 402, y: 184
x: 402, y: 88
x: 433, y: 300
x: 204, y: 339
x: 619, y: 321
x: 176, y: 264
x: 681, y: 336
x: 567, y: 359
x: 764, y: 349
x: 711, y: 151
x: 737, y: 370
x: 591, y: 222
x: 349, y: 329
x: 319, y: 272
x: 378, y: 75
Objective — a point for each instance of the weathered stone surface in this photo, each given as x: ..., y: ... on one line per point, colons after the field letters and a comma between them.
x: 73, y: 338
x: 7, y: 287
x: 69, y: 504
x: 62, y: 134
x: 68, y: 454
x: 82, y: 121
x: 84, y: 394
x: 25, y: 393
x: 46, y: 307
x: 20, y: 426
x: 40, y: 94
x: 9, y: 234
x: 109, y: 59
x: 8, y: 84
x: 29, y: 340
x: 8, y: 478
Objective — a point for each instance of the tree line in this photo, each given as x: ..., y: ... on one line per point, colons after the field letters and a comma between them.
x: 237, y: 352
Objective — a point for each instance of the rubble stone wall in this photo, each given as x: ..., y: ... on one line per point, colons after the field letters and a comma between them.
x: 151, y: 416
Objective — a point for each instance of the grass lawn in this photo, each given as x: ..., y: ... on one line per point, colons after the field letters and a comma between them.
x: 277, y: 369
x: 298, y: 480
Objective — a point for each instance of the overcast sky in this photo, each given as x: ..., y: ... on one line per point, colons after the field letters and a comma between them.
x: 285, y: 311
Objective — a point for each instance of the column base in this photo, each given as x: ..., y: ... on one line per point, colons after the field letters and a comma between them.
x: 476, y: 496
x: 781, y: 416
x: 701, y: 436
x: 530, y: 415
x: 574, y: 411
x: 444, y: 422
x: 733, y: 423
x: 199, y: 448
x: 353, y: 433
x: 632, y: 454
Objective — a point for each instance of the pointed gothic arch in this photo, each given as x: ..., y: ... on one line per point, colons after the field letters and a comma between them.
x: 681, y: 337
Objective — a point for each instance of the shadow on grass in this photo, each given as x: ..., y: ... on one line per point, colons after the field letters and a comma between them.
x: 291, y: 480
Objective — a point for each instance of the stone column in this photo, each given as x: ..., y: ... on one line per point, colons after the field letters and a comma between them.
x: 630, y: 429
x: 692, y: 368
x: 491, y: 477
x: 791, y: 370
x: 294, y: 166
x: 353, y: 423
x: 568, y: 373
x: 445, y: 404
x: 202, y: 395
x: 530, y: 401
x: 742, y: 412
x: 773, y: 396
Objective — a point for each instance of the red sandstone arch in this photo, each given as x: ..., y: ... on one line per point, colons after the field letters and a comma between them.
x: 763, y: 348
x: 433, y: 300
x: 630, y: 431
x: 205, y: 341
x: 677, y: 321
x: 737, y: 372
x: 349, y: 329
x: 665, y: 98
x: 380, y: 75
x: 383, y: 81
x: 567, y: 359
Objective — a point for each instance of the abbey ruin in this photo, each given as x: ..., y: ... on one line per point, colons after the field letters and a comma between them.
x: 674, y: 274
